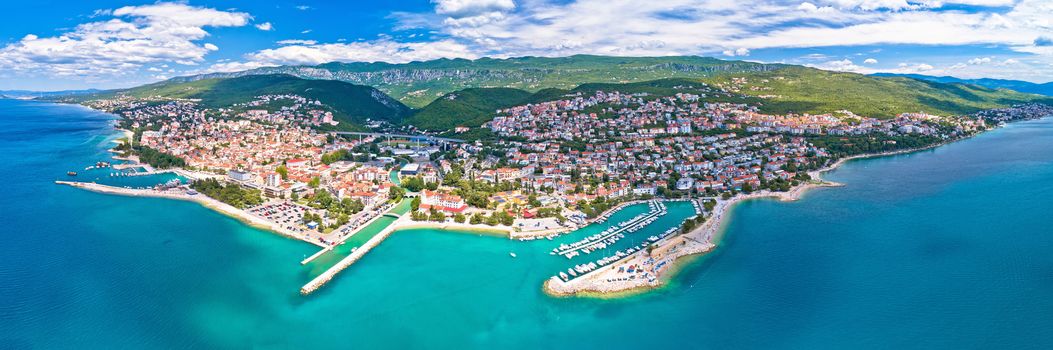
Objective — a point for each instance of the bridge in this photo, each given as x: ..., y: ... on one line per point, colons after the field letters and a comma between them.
x: 426, y: 138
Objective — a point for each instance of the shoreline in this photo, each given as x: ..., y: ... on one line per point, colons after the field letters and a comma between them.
x: 700, y: 241
x: 497, y: 231
x: 205, y: 201
x: 688, y: 246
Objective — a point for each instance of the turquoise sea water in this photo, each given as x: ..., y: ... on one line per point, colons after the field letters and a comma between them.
x: 948, y: 248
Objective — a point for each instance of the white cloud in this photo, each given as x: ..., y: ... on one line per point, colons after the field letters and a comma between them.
x: 136, y: 36
x: 504, y: 28
x: 812, y: 8
x: 183, y: 15
x: 470, y: 8
x: 914, y: 68
x: 742, y: 51
x: 173, y: 32
x: 870, y: 61
x: 303, y: 7
x: 979, y: 60
x: 844, y: 65
x: 900, y: 5
x: 296, y: 42
x: 387, y: 50
x: 265, y: 26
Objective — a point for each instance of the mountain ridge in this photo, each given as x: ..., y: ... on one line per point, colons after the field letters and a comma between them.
x: 420, y: 82
x: 1016, y: 85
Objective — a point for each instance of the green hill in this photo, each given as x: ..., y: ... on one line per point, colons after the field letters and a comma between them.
x: 468, y: 107
x: 789, y: 89
x: 809, y: 90
x: 1016, y: 85
x: 419, y: 83
x: 455, y: 92
x: 352, y: 104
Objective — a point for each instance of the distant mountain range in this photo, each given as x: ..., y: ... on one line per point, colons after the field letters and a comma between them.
x: 789, y: 89
x: 352, y: 104
x: 418, y: 83
x: 442, y: 94
x: 27, y: 94
x: 1018, y: 85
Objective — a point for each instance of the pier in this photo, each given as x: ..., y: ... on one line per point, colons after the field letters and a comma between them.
x: 613, y: 234
x: 316, y: 255
x: 344, y: 263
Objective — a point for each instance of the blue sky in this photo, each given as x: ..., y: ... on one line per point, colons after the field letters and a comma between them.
x: 50, y: 45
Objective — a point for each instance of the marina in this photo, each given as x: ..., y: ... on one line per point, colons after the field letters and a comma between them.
x: 611, y: 235
x: 584, y: 268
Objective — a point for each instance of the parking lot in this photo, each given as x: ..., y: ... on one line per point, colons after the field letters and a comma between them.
x: 286, y: 214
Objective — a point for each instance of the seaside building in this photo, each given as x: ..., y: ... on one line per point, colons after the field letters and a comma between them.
x: 239, y: 175
x: 442, y: 201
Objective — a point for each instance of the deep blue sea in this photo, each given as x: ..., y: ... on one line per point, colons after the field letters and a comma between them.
x: 950, y: 248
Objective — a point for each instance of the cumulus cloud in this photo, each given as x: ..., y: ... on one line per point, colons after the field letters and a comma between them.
x: 265, y: 26
x: 742, y: 51
x: 979, y: 60
x: 844, y: 65
x: 469, y: 8
x: 296, y: 42
x: 134, y: 37
x: 173, y: 32
x: 900, y: 5
x: 914, y: 67
x: 504, y: 28
x: 870, y: 61
x: 812, y: 8
x: 307, y: 52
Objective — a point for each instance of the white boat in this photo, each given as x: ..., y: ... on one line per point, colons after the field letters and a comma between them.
x: 512, y: 254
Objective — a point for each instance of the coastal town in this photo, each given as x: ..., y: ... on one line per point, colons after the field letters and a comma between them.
x: 527, y: 174
x: 551, y: 168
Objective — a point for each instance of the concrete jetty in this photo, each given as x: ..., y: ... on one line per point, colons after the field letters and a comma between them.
x: 328, y: 275
x: 316, y: 255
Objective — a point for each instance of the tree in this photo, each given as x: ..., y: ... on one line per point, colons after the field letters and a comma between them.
x: 415, y: 203
x: 231, y: 194
x: 314, y: 183
x: 283, y: 171
x: 476, y: 219
x: 437, y: 216
x: 413, y: 184
x: 458, y: 218
x: 533, y: 201
x: 396, y: 193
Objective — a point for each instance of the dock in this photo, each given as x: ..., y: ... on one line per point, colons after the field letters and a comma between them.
x: 344, y: 263
x: 316, y: 255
